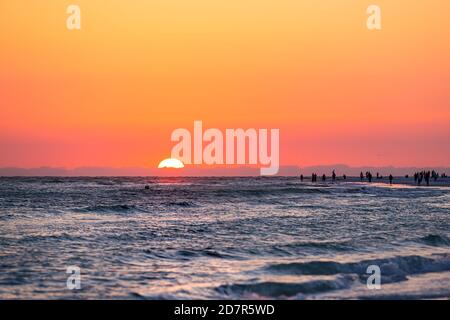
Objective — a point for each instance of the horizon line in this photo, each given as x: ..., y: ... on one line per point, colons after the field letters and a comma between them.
x: 214, y: 171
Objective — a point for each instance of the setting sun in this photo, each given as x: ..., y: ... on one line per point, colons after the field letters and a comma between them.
x: 171, y: 163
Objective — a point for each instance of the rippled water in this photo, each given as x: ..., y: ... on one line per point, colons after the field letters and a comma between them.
x: 221, y: 238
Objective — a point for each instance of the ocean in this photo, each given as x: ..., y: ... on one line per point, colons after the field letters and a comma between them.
x: 222, y: 238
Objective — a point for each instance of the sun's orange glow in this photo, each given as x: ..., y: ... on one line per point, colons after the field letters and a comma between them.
x: 171, y: 163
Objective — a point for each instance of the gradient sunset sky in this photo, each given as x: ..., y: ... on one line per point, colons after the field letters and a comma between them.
x: 111, y: 93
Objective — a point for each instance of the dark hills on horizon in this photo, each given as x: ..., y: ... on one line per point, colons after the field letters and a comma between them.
x: 214, y: 171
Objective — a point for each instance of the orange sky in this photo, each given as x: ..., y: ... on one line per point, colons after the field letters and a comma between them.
x: 111, y: 93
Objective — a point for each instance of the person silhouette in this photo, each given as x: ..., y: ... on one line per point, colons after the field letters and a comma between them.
x: 361, y: 176
x: 333, y: 176
x: 324, y: 177
x: 301, y: 178
x: 390, y: 178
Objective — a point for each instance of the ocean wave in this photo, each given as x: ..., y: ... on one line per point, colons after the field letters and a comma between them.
x: 205, y: 253
x: 392, y: 269
x: 108, y: 182
x: 6, y: 216
x: 287, y: 289
x: 119, y: 208
x: 270, y: 191
x: 435, y: 240
x: 181, y: 204
x: 188, y: 254
x: 326, y: 245
x: 66, y: 237
x: 53, y: 180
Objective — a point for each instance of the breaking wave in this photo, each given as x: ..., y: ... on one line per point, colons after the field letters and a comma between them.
x: 394, y: 269
x: 286, y: 290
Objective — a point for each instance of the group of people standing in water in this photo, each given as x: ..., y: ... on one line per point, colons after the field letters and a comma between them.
x: 368, y: 176
x: 418, y: 177
x: 427, y: 175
